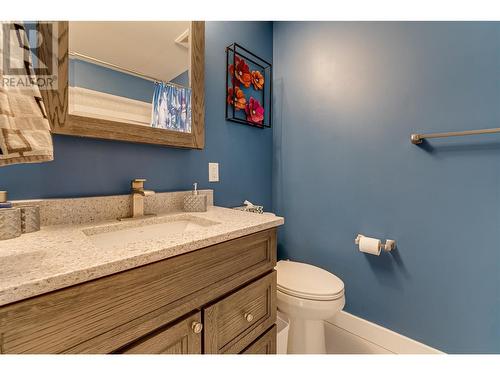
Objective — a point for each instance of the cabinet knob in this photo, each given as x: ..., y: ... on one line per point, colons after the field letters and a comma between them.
x: 248, y: 317
x: 197, y: 327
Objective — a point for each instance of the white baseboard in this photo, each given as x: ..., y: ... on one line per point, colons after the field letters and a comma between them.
x: 348, y: 334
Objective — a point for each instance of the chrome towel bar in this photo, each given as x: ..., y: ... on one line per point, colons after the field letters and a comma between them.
x: 418, y: 138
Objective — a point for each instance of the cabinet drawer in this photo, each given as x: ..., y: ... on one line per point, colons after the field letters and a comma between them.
x: 266, y: 344
x: 106, y: 314
x: 234, y: 322
x: 179, y: 338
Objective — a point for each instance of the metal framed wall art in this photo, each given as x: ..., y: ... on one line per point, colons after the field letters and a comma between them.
x: 248, y: 87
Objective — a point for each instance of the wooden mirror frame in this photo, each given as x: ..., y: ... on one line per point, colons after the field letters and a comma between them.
x: 62, y: 122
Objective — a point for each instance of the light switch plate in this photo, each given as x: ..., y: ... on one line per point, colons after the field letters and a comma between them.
x: 213, y: 172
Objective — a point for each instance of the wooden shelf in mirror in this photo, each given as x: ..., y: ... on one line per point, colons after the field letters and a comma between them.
x: 62, y: 122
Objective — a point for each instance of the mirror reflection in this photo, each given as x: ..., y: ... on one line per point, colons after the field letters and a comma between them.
x: 131, y: 72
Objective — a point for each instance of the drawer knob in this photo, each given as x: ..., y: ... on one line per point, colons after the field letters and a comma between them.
x: 248, y: 317
x: 197, y: 327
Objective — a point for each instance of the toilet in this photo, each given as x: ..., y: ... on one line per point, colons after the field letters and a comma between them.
x: 308, y: 295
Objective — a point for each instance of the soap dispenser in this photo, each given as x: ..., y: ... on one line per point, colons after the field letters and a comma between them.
x: 194, y: 201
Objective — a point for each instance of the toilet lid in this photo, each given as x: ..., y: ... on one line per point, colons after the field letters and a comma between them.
x: 309, y: 282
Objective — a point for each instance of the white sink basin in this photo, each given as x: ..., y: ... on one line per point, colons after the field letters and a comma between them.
x: 137, y: 231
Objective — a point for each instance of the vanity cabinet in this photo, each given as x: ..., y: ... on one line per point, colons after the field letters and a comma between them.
x: 219, y: 299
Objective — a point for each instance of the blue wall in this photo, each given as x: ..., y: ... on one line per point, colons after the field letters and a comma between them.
x: 99, y: 78
x: 348, y: 96
x: 86, y: 167
x: 182, y: 79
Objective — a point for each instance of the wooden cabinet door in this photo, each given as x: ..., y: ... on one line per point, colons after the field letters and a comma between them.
x: 265, y: 344
x: 183, y: 337
x: 236, y: 321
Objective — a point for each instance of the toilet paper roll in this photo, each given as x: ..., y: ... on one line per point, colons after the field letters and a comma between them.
x: 369, y: 245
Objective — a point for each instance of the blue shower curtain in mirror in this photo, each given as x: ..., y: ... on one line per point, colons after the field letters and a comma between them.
x: 171, y: 107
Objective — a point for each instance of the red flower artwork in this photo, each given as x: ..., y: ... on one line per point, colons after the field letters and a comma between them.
x: 257, y: 80
x: 236, y: 98
x: 242, y: 72
x: 254, y: 111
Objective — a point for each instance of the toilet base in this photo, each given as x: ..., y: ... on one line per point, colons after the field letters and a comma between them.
x: 307, y: 322
x: 306, y: 337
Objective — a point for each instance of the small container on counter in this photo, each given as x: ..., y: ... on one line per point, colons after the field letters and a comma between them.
x: 250, y: 207
x: 195, y: 202
x: 10, y: 223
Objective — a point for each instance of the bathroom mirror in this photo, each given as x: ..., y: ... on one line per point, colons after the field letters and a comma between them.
x: 130, y: 81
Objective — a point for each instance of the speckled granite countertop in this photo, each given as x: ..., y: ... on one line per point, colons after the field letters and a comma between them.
x: 59, y: 256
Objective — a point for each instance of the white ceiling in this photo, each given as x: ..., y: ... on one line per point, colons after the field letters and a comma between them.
x: 147, y: 47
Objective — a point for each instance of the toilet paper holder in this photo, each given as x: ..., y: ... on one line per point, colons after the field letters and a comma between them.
x: 387, y: 246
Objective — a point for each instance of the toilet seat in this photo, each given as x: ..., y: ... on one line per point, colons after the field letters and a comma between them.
x: 308, y: 282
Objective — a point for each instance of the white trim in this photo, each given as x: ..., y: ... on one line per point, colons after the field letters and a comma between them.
x: 362, y: 333
x: 183, y: 39
x: 95, y: 104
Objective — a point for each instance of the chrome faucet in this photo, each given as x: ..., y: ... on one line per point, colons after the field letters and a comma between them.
x: 138, y: 194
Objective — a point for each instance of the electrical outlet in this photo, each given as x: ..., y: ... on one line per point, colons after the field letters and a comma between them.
x: 213, y: 172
